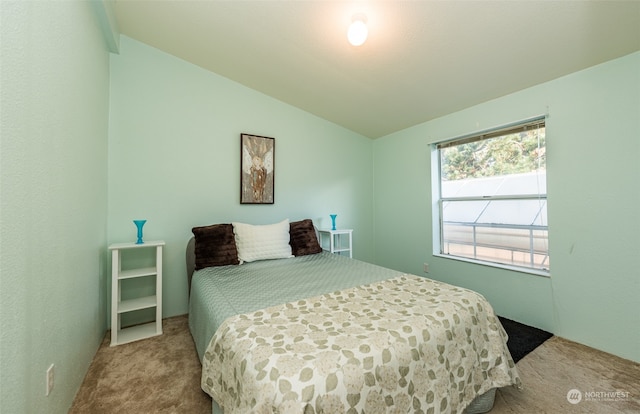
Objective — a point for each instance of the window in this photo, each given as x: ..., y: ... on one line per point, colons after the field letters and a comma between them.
x: 492, y: 197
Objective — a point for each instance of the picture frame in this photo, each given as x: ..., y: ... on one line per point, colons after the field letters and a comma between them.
x: 257, y: 169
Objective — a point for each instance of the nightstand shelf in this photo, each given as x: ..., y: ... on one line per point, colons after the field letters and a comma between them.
x: 137, y: 332
x: 119, y: 306
x: 137, y: 304
x: 146, y: 271
x: 337, y: 241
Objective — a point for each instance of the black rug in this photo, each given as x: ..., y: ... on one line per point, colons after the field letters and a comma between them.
x: 522, y: 338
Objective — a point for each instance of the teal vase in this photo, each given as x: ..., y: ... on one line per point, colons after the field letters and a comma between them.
x: 333, y: 221
x: 139, y: 224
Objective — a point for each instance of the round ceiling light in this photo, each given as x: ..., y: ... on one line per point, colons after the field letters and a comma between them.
x: 358, y: 31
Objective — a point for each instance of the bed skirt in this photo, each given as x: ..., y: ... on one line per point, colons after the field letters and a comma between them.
x: 481, y: 404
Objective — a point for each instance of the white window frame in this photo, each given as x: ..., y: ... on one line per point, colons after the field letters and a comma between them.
x: 439, y: 200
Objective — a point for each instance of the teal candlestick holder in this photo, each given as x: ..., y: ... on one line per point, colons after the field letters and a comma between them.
x: 139, y: 224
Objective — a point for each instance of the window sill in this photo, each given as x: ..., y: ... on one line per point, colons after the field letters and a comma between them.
x: 535, y: 272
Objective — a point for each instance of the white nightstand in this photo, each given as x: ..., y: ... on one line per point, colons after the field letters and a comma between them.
x: 337, y: 241
x: 121, y: 335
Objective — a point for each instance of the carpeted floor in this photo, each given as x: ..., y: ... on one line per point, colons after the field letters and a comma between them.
x: 559, y: 368
x: 162, y: 375
x: 154, y: 375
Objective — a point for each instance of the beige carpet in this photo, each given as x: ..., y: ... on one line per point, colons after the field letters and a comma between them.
x: 559, y: 366
x: 155, y: 375
x: 162, y: 375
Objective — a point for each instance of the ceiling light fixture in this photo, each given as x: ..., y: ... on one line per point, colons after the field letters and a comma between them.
x: 358, y: 31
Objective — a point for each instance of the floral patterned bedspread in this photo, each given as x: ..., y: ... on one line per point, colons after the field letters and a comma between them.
x: 406, y: 344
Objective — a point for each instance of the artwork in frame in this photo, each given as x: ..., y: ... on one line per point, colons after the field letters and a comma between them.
x: 257, y: 162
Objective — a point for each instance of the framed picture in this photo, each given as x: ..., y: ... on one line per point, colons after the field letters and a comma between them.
x: 257, y: 168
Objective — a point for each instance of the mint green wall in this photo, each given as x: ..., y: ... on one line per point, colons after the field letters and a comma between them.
x: 172, y: 156
x: 54, y: 76
x: 593, y: 134
x: 174, y: 159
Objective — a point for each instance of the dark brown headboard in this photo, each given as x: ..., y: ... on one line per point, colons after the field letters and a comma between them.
x: 191, y: 261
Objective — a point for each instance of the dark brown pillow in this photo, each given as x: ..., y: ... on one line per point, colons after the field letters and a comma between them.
x: 303, y: 239
x: 215, y: 246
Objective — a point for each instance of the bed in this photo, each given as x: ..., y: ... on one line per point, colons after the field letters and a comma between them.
x: 312, y: 332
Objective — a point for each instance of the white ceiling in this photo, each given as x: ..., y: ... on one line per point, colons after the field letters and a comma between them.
x: 422, y: 60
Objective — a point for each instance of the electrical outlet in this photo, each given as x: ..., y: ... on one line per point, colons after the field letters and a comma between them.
x: 426, y: 267
x: 49, y: 380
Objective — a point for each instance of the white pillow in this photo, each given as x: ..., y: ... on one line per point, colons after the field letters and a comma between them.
x: 269, y: 241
